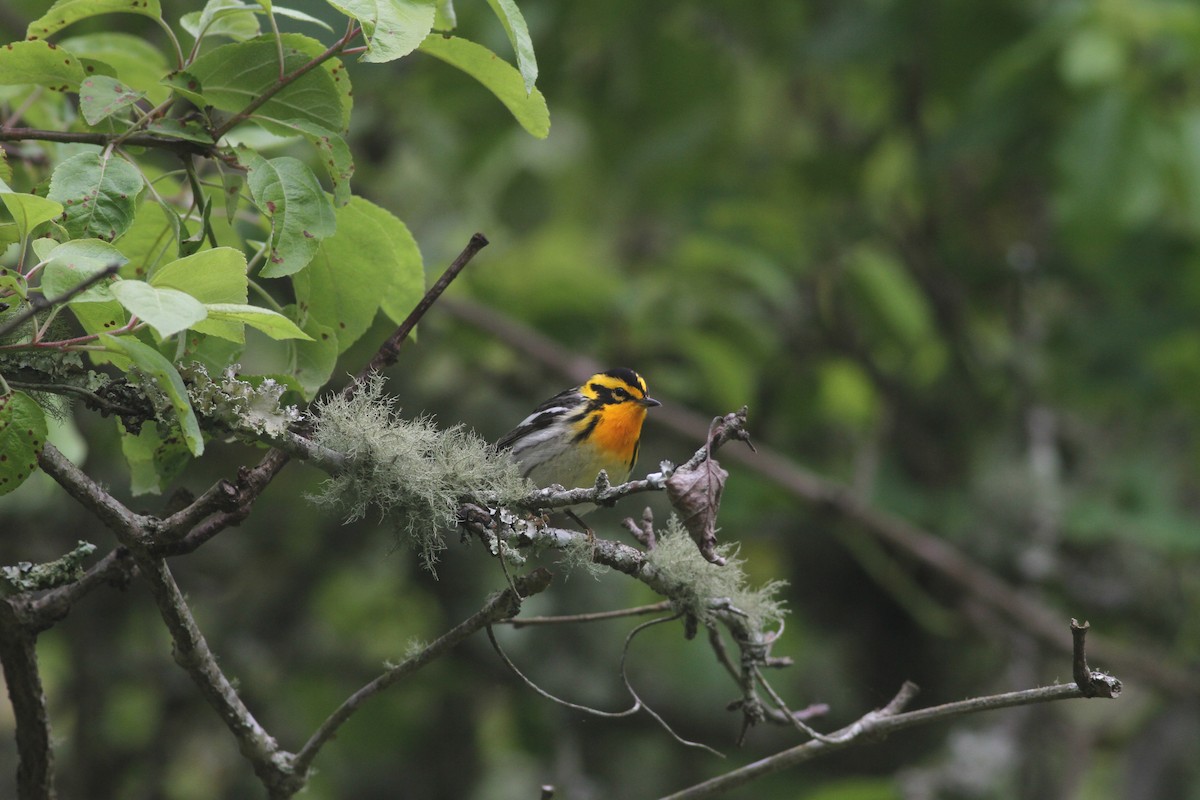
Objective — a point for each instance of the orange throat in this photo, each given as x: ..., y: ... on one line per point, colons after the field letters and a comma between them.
x: 617, y: 433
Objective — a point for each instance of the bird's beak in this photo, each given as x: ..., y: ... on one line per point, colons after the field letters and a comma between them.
x: 649, y: 402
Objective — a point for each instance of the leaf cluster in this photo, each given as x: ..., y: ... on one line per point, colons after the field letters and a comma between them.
x: 149, y: 188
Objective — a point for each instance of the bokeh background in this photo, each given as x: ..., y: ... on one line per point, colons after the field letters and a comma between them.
x: 947, y: 255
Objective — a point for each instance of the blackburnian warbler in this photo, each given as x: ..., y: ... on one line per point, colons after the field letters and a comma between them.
x: 597, y: 425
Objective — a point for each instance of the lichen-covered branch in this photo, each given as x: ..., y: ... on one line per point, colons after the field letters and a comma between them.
x: 702, y: 591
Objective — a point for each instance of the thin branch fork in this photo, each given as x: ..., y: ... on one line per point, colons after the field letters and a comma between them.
x: 891, y: 718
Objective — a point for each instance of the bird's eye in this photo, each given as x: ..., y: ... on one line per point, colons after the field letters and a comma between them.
x: 620, y: 394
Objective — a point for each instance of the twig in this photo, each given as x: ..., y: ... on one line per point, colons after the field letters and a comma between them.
x: 1092, y: 683
x: 38, y: 303
x: 115, y: 568
x: 788, y: 714
x: 879, y: 724
x: 250, y: 484
x: 595, y: 616
x: 241, y: 116
x: 558, y: 497
x: 62, y: 571
x: 595, y: 712
x: 500, y: 605
x: 629, y: 687
x: 91, y: 399
x: 872, y: 727
x: 390, y: 350
x: 151, y: 140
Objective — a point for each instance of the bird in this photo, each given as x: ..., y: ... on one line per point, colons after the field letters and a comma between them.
x: 595, y: 426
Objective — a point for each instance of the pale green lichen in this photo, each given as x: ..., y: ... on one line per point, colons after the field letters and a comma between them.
x: 239, y: 404
x: 408, y: 470
x: 698, y: 587
x: 577, y: 555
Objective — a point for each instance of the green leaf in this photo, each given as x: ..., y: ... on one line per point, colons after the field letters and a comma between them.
x: 67, y: 12
x: 222, y: 18
x: 392, y: 28
x: 150, y: 240
x: 211, y: 276
x: 518, y: 35
x: 301, y: 214
x: 189, y: 130
x: 895, y: 296
x: 234, y: 75
x: 22, y: 436
x: 99, y: 195
x: 167, y: 311
x: 39, y: 63
x: 100, y: 317
x: 335, y: 155
x: 231, y: 184
x: 131, y: 58
x: 299, y: 16
x: 529, y: 108
x: 407, y: 266
x: 28, y: 210
x: 215, y: 353
x: 188, y: 86
x: 154, y: 364
x: 73, y: 262
x: 313, y: 361
x: 272, y: 323
x: 153, y: 461
x: 100, y: 97
x: 12, y: 284
x: 354, y: 270
x: 5, y: 167
x: 445, y: 19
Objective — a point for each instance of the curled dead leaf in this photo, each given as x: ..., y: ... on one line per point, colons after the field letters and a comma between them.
x: 695, y: 494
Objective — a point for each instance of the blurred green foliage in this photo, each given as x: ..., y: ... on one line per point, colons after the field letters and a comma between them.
x: 946, y: 252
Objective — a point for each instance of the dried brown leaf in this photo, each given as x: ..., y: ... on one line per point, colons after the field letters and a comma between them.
x: 695, y: 493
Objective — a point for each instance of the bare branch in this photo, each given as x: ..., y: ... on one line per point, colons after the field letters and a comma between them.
x: 249, y: 485
x: 39, y: 303
x: 115, y: 568
x: 872, y: 727
x: 629, y: 687
x: 18, y: 654
x: 191, y: 651
x: 190, y: 647
x: 181, y: 146
x: 390, y: 350
x: 596, y: 616
x: 500, y: 605
x: 879, y: 724
x: 90, y: 494
x: 1092, y: 683
x: 595, y: 712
